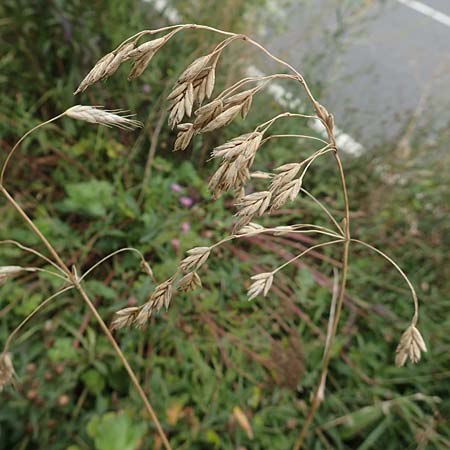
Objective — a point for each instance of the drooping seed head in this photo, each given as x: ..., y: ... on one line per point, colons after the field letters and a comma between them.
x: 147, y: 269
x: 411, y: 345
x: 192, y: 87
x: 106, y: 67
x: 261, y: 285
x: 97, y: 73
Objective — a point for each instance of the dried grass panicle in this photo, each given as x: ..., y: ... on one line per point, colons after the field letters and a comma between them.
x: 125, y: 317
x: 261, y: 285
x: 6, y: 370
x: 197, y: 257
x: 192, y: 87
x: 283, y: 229
x: 255, y: 204
x: 223, y: 119
x: 109, y: 64
x: 105, y: 67
x: 109, y: 118
x: 411, y: 345
x: 189, y: 282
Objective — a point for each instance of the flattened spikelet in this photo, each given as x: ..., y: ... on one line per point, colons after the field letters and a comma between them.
x: 97, y: 73
x: 100, y: 116
x: 254, y: 204
x: 411, y: 345
x: 160, y: 297
x: 261, y: 285
x: 289, y: 191
x: 194, y: 85
x: 223, y: 119
x: 125, y: 317
x: 184, y: 136
x: 189, y: 282
x: 197, y: 257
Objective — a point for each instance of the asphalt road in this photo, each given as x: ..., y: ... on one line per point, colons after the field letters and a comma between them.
x: 378, y: 60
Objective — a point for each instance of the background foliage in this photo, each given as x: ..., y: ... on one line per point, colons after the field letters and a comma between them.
x: 213, y: 355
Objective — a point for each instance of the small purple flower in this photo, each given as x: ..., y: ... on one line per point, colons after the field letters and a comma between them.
x: 185, y: 201
x: 176, y: 187
x: 146, y: 88
x: 175, y: 244
x: 185, y: 227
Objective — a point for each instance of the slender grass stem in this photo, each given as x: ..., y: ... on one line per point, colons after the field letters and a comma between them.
x: 42, y: 305
x: 121, y: 250
x: 11, y: 153
x: 402, y: 273
x: 33, y: 251
x: 295, y: 258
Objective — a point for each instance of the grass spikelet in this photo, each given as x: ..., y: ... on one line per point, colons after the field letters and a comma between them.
x: 125, y: 317
x: 197, y: 257
x: 6, y: 370
x: 105, y: 117
x: 411, y: 346
x: 261, y: 285
x: 189, y: 282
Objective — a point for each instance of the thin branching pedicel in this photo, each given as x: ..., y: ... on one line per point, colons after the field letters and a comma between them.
x: 193, y: 87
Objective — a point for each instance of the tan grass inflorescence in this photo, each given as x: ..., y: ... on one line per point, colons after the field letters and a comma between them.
x: 235, y: 174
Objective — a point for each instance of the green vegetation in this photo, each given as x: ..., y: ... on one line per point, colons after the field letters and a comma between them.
x: 92, y: 191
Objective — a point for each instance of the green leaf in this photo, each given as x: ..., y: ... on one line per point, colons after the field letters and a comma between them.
x: 93, y: 381
x: 63, y: 350
x: 91, y: 198
x: 115, y: 432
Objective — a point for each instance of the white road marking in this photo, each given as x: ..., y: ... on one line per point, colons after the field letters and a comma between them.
x: 427, y: 11
x: 284, y: 98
